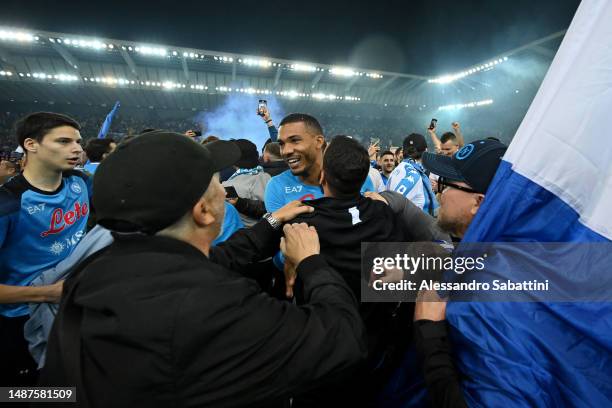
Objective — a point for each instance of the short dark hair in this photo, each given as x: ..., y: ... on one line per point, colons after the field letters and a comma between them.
x: 448, y: 136
x: 309, y: 121
x: 386, y: 152
x: 273, y: 150
x: 96, y: 148
x: 37, y: 125
x: 346, y: 165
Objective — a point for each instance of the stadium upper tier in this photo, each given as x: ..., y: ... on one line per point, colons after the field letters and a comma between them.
x: 32, y: 62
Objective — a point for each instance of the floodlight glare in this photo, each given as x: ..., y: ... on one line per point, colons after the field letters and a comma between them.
x: 341, y: 71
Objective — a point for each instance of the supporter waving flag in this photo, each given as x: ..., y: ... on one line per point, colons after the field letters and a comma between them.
x: 553, y: 185
x: 107, y: 122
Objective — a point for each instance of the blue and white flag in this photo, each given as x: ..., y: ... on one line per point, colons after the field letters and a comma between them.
x: 107, y: 122
x: 554, y: 185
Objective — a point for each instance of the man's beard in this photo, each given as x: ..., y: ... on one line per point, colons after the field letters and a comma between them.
x: 452, y: 226
x: 303, y: 173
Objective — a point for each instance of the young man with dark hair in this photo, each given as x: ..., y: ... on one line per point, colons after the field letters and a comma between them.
x: 409, y: 178
x: 43, y: 215
x: 387, y: 164
x: 302, y: 143
x: 97, y: 150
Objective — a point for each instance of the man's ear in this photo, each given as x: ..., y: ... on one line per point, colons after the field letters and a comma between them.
x: 478, y: 199
x: 30, y: 145
x: 201, y: 213
x: 320, y: 141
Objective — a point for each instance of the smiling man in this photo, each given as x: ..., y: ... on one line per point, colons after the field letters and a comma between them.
x: 43, y: 215
x: 302, y: 143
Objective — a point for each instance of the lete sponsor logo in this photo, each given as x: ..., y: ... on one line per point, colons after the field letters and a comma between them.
x: 60, y: 219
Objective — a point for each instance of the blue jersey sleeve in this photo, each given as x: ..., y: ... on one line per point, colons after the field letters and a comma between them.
x: 273, y: 133
x: 273, y: 196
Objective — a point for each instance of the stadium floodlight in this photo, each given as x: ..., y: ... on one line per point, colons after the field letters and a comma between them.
x: 66, y: 77
x: 322, y: 96
x: 155, y: 51
x: 303, y: 68
x: 290, y: 94
x: 445, y: 79
x: 92, y: 44
x: 19, y: 36
x: 374, y: 75
x: 171, y: 85
x: 466, y: 105
x: 262, y: 63
x: 342, y: 71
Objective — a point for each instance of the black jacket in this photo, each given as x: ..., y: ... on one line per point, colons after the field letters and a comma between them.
x: 341, y: 231
x: 159, y: 324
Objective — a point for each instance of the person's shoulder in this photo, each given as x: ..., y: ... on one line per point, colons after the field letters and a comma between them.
x: 375, y: 207
x: 286, y: 177
x: 76, y: 173
x: 10, y: 199
x: 10, y: 195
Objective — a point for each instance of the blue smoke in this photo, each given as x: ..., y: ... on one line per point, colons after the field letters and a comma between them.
x: 236, y: 118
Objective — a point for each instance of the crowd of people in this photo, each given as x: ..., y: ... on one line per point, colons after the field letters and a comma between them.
x: 169, y: 268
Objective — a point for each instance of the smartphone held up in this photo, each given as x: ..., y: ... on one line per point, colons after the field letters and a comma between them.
x: 262, y: 107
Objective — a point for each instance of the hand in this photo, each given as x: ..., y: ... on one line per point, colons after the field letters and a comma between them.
x: 429, y: 306
x: 300, y: 242
x: 290, y: 275
x: 455, y: 125
x: 434, y: 185
x: 373, y: 150
x: 54, y: 292
x: 375, y: 196
x: 432, y: 130
x: 291, y: 210
x: 264, y: 112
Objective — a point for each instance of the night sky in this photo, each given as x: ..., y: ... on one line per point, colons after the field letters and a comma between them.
x: 420, y: 37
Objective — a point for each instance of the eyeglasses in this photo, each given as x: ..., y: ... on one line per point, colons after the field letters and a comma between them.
x: 443, y: 183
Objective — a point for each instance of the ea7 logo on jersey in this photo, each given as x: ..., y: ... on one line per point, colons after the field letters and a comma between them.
x: 294, y: 189
x: 36, y: 208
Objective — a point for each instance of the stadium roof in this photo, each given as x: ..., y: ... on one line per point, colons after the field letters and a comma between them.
x: 103, y: 70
